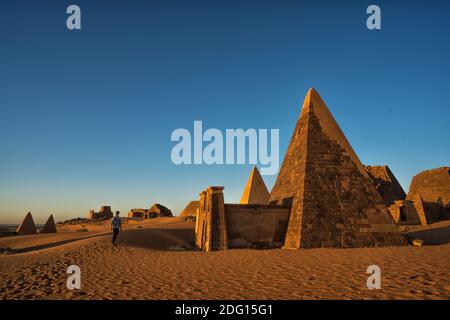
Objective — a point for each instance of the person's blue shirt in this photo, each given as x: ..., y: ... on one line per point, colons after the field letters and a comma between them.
x: 116, y: 222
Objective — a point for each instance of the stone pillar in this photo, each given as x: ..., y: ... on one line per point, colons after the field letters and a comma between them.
x: 196, y: 220
x: 200, y: 232
x: 211, y: 232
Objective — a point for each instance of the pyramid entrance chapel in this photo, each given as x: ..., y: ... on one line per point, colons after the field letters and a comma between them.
x: 323, y: 197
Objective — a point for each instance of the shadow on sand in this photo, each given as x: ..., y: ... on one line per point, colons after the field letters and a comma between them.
x: 158, y: 239
x: 432, y: 237
x: 50, y: 245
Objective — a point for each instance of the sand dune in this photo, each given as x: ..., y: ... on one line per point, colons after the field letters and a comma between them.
x: 147, y: 265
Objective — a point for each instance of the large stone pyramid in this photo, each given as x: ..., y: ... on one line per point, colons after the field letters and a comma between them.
x: 334, y: 203
x: 27, y: 226
x: 255, y: 190
x: 50, y: 226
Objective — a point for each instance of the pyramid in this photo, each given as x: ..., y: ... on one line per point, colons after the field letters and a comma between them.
x: 255, y: 191
x: 50, y: 226
x: 27, y: 226
x: 333, y: 201
x: 191, y: 209
x: 385, y: 182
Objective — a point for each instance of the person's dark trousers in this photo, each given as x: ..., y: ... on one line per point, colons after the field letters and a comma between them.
x: 115, y: 234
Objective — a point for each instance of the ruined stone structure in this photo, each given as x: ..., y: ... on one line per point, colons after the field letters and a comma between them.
x: 190, y: 211
x: 220, y: 226
x: 404, y: 212
x: 160, y: 211
x: 386, y: 184
x: 427, y: 201
x: 104, y: 213
x: 407, y: 212
x: 255, y: 191
x: 156, y: 210
x: 432, y: 188
x: 431, y: 185
x: 139, y: 213
x: 27, y: 226
x: 334, y: 203
x: 50, y: 226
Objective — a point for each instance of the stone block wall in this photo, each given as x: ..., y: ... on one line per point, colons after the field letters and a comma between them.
x: 256, y: 225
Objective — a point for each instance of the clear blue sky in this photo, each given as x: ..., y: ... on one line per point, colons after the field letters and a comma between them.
x: 86, y: 116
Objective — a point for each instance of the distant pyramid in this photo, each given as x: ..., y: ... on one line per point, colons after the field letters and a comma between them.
x: 27, y: 226
x: 50, y: 226
x: 255, y: 190
x: 191, y: 209
x: 334, y: 203
x: 386, y: 184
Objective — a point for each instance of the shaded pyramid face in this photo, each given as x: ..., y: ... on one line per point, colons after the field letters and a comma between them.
x: 255, y: 190
x: 386, y: 184
x: 50, y: 226
x: 334, y: 203
x: 27, y: 226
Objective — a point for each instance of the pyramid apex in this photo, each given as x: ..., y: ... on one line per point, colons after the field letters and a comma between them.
x: 312, y: 91
x: 313, y: 103
x: 312, y: 98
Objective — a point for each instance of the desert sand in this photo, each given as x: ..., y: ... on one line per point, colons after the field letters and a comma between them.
x: 152, y: 261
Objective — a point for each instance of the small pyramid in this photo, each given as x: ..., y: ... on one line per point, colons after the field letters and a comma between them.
x: 50, y: 226
x: 191, y: 209
x: 255, y: 191
x: 333, y: 201
x: 27, y: 226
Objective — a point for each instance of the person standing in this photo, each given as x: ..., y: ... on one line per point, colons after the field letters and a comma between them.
x: 116, y: 227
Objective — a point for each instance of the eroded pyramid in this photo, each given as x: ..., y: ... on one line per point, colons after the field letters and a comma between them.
x: 432, y: 185
x: 50, y: 226
x: 255, y: 191
x: 27, y: 226
x: 191, y: 209
x: 333, y: 201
